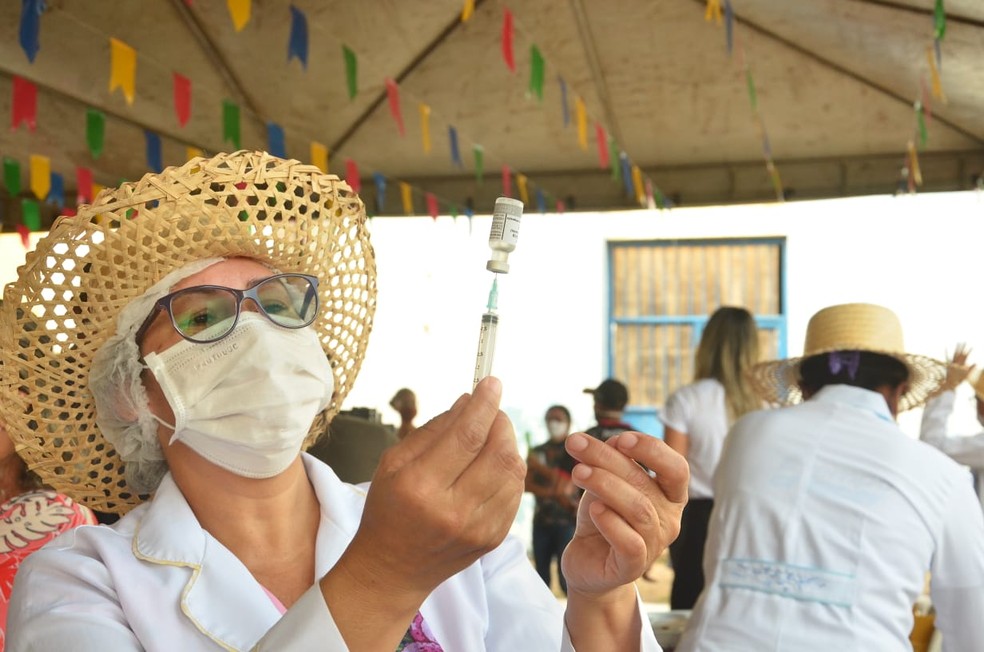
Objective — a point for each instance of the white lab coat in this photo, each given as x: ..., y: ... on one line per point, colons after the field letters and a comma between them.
x: 968, y: 451
x: 157, y: 581
x: 826, y: 519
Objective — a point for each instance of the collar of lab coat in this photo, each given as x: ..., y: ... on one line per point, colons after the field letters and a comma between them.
x: 863, y: 399
x: 222, y: 598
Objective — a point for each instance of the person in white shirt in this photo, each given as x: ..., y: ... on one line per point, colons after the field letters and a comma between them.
x: 967, y: 450
x: 827, y: 517
x: 186, y: 336
x: 696, y: 420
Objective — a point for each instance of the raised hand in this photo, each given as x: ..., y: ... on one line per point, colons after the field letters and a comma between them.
x: 957, y: 369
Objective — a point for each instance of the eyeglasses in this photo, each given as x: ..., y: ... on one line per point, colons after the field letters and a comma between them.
x: 207, y: 313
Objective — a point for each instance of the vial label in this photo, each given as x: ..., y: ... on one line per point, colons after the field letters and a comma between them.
x: 505, y: 229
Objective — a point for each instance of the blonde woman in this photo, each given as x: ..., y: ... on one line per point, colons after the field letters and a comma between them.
x: 696, y: 419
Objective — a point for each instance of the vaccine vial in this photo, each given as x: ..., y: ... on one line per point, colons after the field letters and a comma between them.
x: 504, y: 233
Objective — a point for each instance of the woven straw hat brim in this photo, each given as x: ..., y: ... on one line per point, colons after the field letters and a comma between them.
x: 64, y: 304
x: 778, y: 381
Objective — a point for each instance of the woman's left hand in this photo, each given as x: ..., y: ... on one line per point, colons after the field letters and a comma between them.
x: 627, y: 517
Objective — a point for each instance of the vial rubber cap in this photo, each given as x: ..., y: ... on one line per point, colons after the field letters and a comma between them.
x: 498, y: 266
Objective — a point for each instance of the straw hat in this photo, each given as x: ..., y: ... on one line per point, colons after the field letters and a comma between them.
x: 850, y: 327
x: 71, y: 289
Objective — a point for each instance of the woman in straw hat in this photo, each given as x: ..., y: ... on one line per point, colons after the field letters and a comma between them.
x: 827, y: 517
x: 184, y: 337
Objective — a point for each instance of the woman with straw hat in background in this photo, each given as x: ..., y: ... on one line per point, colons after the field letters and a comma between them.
x: 182, y: 340
x: 827, y: 517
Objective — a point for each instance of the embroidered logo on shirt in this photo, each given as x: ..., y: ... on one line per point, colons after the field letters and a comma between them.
x: 798, y: 582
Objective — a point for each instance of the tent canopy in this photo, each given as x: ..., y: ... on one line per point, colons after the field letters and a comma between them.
x: 823, y: 88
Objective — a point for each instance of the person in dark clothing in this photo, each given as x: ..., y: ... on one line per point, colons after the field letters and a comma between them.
x: 610, y: 399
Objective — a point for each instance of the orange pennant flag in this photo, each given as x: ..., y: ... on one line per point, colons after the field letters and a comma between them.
x: 640, y: 190
x: 193, y: 152
x: 425, y: 129
x: 240, y: 11
x: 914, y: 164
x: 122, y: 68
x: 96, y: 189
x: 319, y: 156
x: 40, y: 176
x: 581, y: 116
x: 934, y: 75
x: 524, y: 196
x: 467, y: 10
x: 406, y: 194
x: 713, y: 11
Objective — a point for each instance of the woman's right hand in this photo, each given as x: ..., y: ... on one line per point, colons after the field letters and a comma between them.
x: 439, y: 500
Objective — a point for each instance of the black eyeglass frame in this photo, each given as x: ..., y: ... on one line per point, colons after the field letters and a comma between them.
x: 164, y: 303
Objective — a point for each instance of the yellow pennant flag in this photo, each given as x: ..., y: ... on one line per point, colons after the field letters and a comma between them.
x: 425, y: 127
x: 934, y: 75
x: 640, y: 191
x: 319, y: 156
x: 193, y: 152
x: 406, y: 194
x: 467, y: 10
x: 40, y: 176
x: 581, y: 115
x: 914, y: 164
x: 524, y: 196
x: 96, y: 189
x: 240, y: 11
x: 122, y: 68
x: 713, y: 11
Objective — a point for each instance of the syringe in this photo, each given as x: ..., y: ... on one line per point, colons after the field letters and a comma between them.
x: 486, y: 336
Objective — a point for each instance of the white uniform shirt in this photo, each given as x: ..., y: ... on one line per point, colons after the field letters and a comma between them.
x: 157, y: 581
x: 699, y: 411
x: 826, y: 519
x: 968, y: 451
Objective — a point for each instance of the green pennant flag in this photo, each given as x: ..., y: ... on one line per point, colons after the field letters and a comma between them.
x: 939, y: 21
x: 230, y: 123
x: 616, y: 162
x: 454, y: 211
x: 31, y: 214
x: 11, y: 176
x: 537, y: 72
x: 351, y: 71
x: 95, y: 131
x: 479, y: 153
x: 752, y: 97
x: 921, y: 122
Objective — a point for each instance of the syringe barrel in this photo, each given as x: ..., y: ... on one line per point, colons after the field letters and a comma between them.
x: 486, y: 347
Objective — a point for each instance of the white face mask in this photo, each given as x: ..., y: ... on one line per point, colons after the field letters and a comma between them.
x: 556, y: 428
x: 246, y: 402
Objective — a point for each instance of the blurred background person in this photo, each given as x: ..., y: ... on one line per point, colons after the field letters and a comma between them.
x: 696, y: 420
x: 548, y: 478
x: 610, y: 399
x: 405, y: 403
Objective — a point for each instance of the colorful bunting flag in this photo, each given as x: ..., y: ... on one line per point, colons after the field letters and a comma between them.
x: 193, y: 152
x: 406, y: 195
x: 537, y: 72
x: 182, y: 98
x: 276, y: 143
x: 560, y: 208
x: 56, y: 195
x: 729, y: 26
x: 30, y: 27
x: 602, y: 138
x: 506, y: 181
x: 713, y: 11
x: 122, y: 68
x: 524, y: 195
x: 926, y: 104
x: 393, y: 95
x: 239, y: 11
x: 352, y: 177
x: 24, y: 104
x: 453, y: 141
x: 155, y: 162
x: 31, y: 214
x: 351, y: 71
x: 507, y: 40
x: 95, y: 131
x: 479, y: 153
x: 432, y: 208
x: 467, y: 10
x: 83, y: 186
x: 934, y: 76
x: 565, y: 109
x: 640, y: 191
x: 12, y: 176
x: 380, y: 181
x: 319, y: 156
x: 230, y: 123
x: 297, y: 43
x: 626, y: 174
x: 425, y: 130
x: 752, y: 95
x: 40, y: 180
x: 541, y: 200
x: 915, y: 172
x: 616, y: 168
x: 25, y: 235
x: 581, y: 117
x: 939, y: 21
x: 921, y: 125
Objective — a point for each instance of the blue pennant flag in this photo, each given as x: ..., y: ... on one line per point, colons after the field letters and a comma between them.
x: 455, y: 153
x: 30, y: 27
x: 155, y: 163
x: 56, y: 194
x: 297, y: 45
x: 541, y: 201
x: 380, y: 182
x: 563, y: 100
x: 275, y: 140
x: 627, y: 175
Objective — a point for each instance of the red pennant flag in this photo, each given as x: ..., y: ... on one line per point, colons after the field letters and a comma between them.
x: 25, y: 234
x: 602, y: 139
x: 182, y: 98
x: 560, y: 206
x: 506, y: 181
x: 352, y: 175
x: 83, y: 183
x: 25, y: 104
x: 393, y: 93
x: 507, y: 40
x: 432, y: 208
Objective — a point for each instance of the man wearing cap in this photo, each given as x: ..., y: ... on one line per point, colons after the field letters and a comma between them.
x: 610, y: 399
x: 968, y: 451
x: 827, y: 517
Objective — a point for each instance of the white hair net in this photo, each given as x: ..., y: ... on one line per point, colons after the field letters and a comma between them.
x: 122, y: 409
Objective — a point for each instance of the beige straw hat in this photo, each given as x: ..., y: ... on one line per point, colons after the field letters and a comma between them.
x: 65, y: 302
x: 850, y: 327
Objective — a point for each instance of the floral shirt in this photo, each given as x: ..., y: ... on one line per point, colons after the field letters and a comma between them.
x: 27, y: 522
